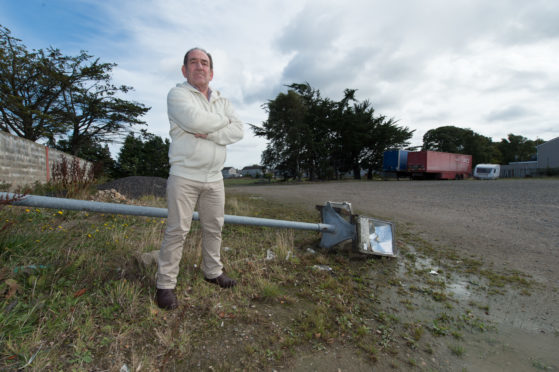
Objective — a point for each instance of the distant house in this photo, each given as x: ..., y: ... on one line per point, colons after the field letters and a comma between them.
x: 548, y: 154
x: 253, y: 171
x: 229, y: 172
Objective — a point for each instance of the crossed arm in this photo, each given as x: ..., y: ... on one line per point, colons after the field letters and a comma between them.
x: 223, y: 128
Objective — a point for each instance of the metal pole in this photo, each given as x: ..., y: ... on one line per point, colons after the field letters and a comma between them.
x: 136, y: 210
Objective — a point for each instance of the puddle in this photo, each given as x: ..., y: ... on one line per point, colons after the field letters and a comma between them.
x: 460, y: 290
x: 500, y: 328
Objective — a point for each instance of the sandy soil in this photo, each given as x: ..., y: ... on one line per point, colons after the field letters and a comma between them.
x: 507, y: 223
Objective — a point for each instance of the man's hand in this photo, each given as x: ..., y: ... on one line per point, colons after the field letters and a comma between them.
x: 200, y: 135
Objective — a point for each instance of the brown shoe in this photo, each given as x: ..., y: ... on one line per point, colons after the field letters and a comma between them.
x: 166, y: 299
x: 223, y: 281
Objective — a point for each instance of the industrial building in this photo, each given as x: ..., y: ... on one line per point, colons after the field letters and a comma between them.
x: 548, y: 154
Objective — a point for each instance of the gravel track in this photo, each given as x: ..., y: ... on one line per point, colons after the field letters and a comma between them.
x: 511, y: 223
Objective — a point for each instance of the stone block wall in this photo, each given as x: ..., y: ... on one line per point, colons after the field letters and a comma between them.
x: 24, y: 162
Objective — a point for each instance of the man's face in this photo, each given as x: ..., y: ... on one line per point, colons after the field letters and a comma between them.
x: 197, y: 70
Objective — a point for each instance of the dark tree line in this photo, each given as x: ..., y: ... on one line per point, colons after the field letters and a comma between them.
x: 323, y: 139
x: 145, y: 155
x: 483, y: 149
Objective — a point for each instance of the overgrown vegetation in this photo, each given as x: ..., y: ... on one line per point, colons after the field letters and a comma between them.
x: 76, y: 293
x: 71, y: 177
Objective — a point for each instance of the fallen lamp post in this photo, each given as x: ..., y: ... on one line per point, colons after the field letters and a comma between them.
x: 369, y: 235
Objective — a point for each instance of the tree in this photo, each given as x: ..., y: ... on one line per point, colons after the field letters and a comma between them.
x: 129, y: 157
x: 446, y: 139
x: 518, y: 148
x: 155, y: 156
x: 316, y: 131
x: 90, y: 106
x: 284, y: 129
x: 47, y: 95
x: 482, y: 149
x: 364, y: 137
x: 30, y: 85
x: 320, y: 137
x: 461, y: 141
x: 383, y: 134
x: 146, y: 155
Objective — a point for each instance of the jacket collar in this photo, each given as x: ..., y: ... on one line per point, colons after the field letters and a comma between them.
x: 214, y: 94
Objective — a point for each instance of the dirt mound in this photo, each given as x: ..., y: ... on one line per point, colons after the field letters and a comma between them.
x: 134, y: 187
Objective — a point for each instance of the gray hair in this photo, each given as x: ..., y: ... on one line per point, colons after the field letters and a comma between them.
x: 201, y: 50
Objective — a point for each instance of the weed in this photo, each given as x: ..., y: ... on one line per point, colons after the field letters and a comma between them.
x: 362, y: 331
x: 439, y: 296
x: 416, y: 330
x: 457, y: 350
x: 457, y: 335
x: 269, y: 291
x: 370, y: 350
x: 428, y: 349
x: 71, y: 179
x: 538, y: 364
x: 438, y: 330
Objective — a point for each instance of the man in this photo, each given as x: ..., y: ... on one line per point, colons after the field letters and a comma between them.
x: 202, y: 124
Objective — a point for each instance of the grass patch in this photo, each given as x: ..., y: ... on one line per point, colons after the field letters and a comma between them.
x: 457, y: 350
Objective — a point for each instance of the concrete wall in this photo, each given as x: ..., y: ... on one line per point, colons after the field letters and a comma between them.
x: 24, y: 162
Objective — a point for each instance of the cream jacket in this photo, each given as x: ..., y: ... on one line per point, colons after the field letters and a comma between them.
x: 191, y: 113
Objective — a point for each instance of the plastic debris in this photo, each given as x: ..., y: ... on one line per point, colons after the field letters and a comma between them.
x: 124, y: 368
x: 33, y: 357
x: 28, y: 269
x: 322, y: 267
x: 289, y: 255
x: 270, y: 255
x: 311, y: 251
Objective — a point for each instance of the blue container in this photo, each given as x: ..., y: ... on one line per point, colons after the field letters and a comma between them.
x: 395, y: 161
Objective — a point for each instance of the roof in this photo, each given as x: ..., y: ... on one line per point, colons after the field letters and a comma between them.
x: 551, y: 140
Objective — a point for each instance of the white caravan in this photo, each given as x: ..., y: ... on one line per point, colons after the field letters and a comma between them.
x: 487, y: 171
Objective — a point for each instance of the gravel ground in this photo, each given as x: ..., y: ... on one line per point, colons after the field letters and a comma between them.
x: 511, y: 223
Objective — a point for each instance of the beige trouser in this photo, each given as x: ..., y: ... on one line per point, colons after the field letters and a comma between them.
x: 182, y: 196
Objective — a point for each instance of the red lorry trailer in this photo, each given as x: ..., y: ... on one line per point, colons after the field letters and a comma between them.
x: 439, y: 165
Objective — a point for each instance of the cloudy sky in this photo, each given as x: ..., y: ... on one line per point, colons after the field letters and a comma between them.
x: 491, y: 66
